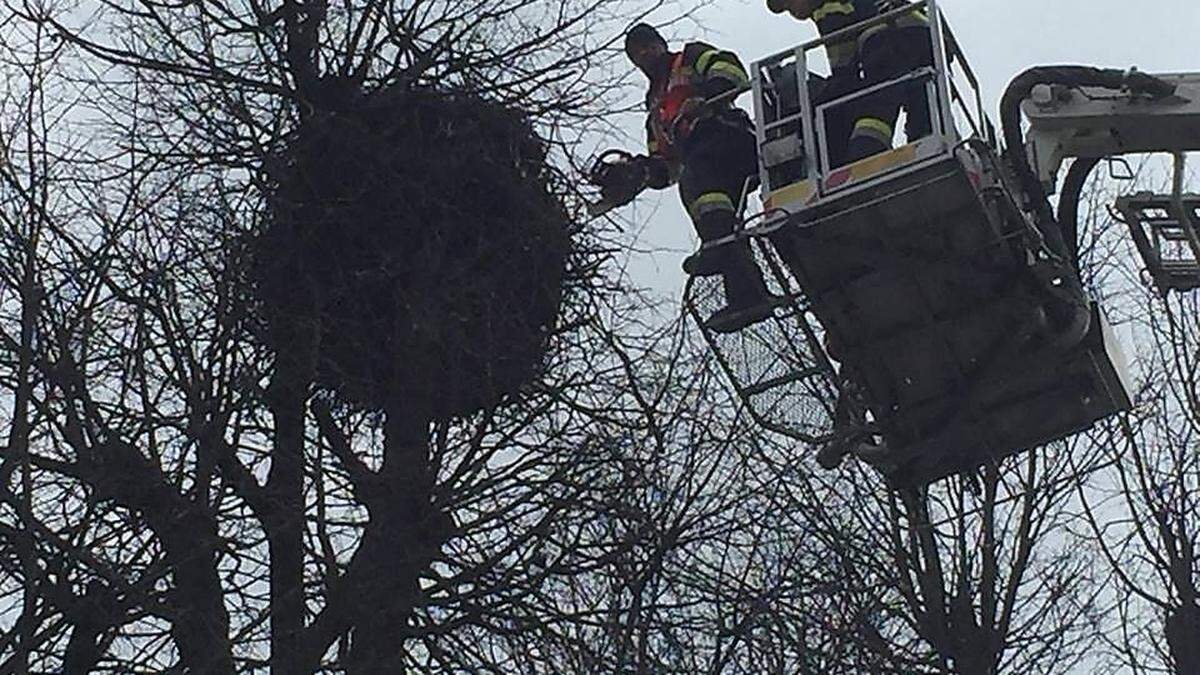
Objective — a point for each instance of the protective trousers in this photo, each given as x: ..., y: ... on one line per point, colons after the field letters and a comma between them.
x: 717, y: 160
x: 839, y: 119
x: 887, y: 56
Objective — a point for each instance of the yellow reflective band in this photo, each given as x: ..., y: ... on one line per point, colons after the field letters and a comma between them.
x: 873, y: 123
x: 874, y: 127
x: 832, y: 8
x: 729, y: 71
x: 913, y: 19
x: 702, y: 62
x: 711, y: 201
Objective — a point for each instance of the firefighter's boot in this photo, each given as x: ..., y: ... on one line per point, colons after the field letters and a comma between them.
x: 705, y: 262
x: 746, y: 296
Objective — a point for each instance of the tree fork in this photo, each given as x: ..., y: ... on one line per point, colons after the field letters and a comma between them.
x: 188, y: 532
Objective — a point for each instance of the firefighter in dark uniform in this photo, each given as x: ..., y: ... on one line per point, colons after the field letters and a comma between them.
x: 710, y: 149
x: 874, y: 55
x: 861, y: 128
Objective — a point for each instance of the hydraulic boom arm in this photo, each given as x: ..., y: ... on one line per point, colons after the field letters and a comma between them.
x: 1090, y: 113
x: 1094, y: 121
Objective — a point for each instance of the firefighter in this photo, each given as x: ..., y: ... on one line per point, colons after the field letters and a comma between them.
x: 877, y: 54
x: 845, y: 70
x: 709, y: 148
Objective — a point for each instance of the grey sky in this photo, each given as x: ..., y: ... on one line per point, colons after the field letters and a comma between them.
x: 1000, y: 38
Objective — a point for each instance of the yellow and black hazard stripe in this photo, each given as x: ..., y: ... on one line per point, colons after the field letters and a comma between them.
x: 710, y: 202
x: 716, y: 70
x: 875, y: 129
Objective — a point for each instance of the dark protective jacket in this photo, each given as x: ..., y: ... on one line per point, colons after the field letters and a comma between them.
x: 831, y: 17
x: 699, y: 71
x: 834, y: 15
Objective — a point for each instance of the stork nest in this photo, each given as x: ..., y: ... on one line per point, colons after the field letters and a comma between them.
x: 423, y: 235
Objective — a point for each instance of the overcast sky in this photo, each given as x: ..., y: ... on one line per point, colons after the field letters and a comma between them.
x: 1000, y: 38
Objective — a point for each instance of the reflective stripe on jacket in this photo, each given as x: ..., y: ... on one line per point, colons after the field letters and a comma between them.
x: 834, y: 15
x: 700, y: 70
x: 917, y: 18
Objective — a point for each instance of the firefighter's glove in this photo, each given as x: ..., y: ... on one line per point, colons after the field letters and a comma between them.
x: 692, y: 107
x: 621, y: 182
x: 690, y: 111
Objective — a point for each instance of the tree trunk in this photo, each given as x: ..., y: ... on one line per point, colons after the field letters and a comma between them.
x: 1183, y: 638
x: 284, y: 522
x: 404, y: 536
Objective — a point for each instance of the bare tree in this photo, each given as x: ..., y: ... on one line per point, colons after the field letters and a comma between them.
x: 178, y: 499
x: 180, y: 494
x: 183, y: 497
x: 1143, y: 515
x: 970, y: 575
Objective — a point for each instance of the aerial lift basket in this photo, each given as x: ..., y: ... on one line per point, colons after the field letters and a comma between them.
x: 778, y: 367
x: 955, y: 316
x: 1166, y: 235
